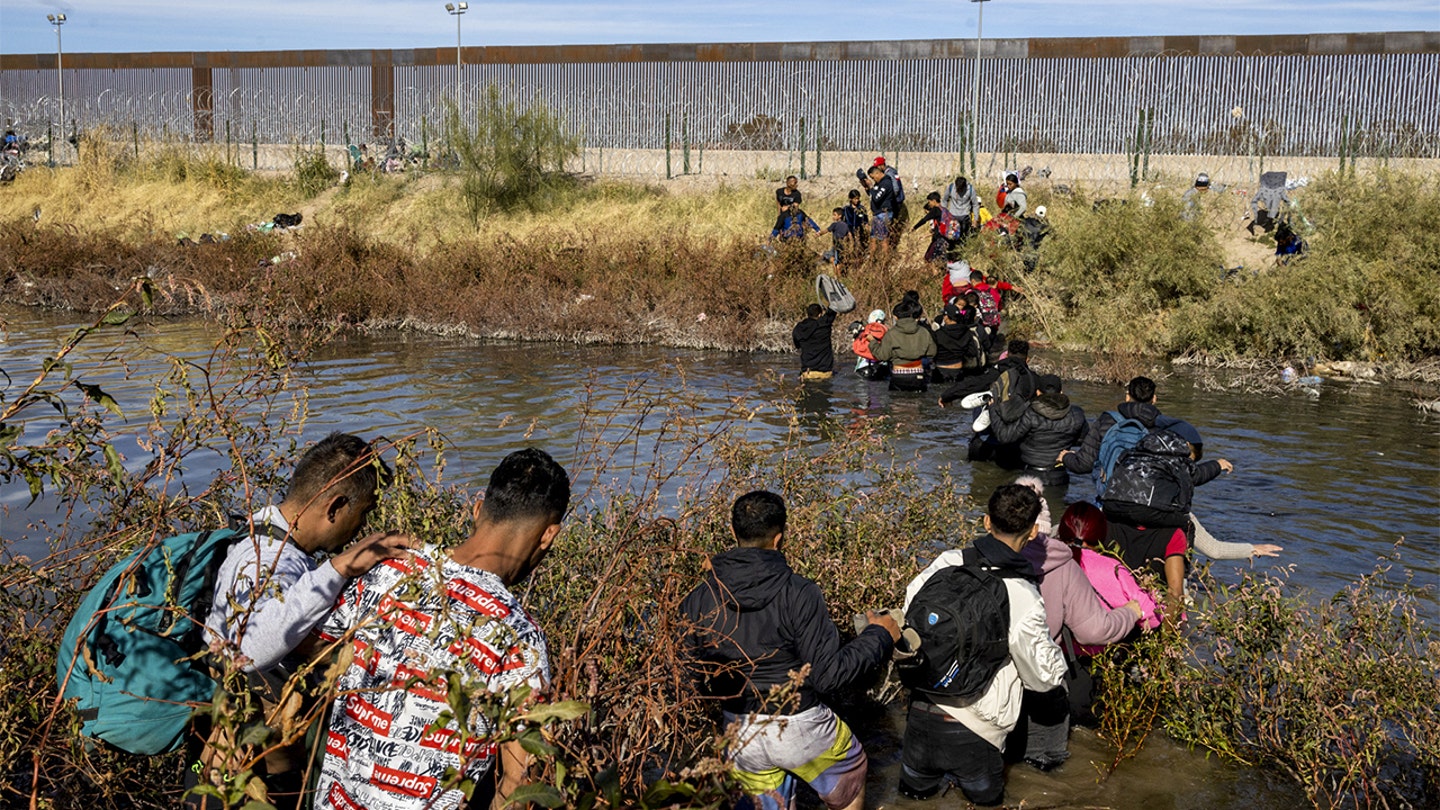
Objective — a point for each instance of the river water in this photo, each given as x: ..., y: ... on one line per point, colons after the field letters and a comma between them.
x: 1336, y: 478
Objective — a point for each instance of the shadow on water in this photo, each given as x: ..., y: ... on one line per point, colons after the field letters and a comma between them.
x: 1335, y: 479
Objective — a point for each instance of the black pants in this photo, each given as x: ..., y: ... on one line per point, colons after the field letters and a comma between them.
x: 938, y: 750
x: 907, y: 382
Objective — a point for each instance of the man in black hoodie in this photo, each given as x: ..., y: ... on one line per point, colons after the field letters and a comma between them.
x: 1049, y: 425
x: 1139, y: 405
x: 753, y: 624
x: 812, y: 338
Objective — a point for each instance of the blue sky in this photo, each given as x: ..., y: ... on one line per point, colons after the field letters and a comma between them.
x: 185, y: 25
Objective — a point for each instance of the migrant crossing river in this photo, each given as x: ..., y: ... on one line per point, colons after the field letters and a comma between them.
x: 1336, y: 478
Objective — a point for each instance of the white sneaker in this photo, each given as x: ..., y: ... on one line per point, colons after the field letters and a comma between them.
x: 974, y: 400
x: 981, y: 422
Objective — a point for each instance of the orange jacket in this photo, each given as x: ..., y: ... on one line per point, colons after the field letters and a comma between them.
x: 861, y: 344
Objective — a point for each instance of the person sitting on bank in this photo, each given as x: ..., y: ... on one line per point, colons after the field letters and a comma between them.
x: 812, y: 337
x: 905, y: 347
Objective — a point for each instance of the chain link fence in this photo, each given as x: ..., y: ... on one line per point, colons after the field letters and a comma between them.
x: 1099, y: 121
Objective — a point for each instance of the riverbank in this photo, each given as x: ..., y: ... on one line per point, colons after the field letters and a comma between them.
x: 681, y: 263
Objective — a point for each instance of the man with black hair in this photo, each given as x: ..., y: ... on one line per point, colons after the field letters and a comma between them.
x: 270, y: 592
x: 424, y: 628
x: 960, y: 741
x: 1139, y: 405
x: 754, y: 623
x: 812, y: 337
x: 905, y: 346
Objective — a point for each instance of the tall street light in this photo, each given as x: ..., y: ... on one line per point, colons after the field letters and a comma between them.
x: 457, y: 9
x: 975, y: 102
x: 58, y: 20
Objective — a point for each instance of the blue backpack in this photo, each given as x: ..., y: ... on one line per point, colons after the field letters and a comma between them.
x: 129, y: 654
x: 1122, y: 436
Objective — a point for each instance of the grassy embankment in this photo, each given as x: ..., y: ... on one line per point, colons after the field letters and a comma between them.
x: 679, y: 263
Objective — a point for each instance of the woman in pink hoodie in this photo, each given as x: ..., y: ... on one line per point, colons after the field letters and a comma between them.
x: 1072, y: 604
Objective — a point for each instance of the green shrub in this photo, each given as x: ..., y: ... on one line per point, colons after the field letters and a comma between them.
x: 511, y: 159
x: 313, y: 173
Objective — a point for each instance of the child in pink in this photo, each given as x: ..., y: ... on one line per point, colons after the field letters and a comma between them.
x: 1113, y: 582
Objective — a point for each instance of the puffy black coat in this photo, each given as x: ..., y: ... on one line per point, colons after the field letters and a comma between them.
x: 1048, y: 426
x: 753, y: 620
x: 1154, y: 482
x: 1023, y: 382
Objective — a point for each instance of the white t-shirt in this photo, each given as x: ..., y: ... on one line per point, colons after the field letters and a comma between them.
x: 418, y: 622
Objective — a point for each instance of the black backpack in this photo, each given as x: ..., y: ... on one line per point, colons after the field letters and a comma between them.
x: 962, y: 614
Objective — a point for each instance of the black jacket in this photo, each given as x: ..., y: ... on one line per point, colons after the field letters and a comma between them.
x: 812, y: 338
x: 1024, y: 382
x: 1082, y: 461
x: 1048, y: 426
x: 1154, y: 483
x: 957, y: 344
x: 753, y: 620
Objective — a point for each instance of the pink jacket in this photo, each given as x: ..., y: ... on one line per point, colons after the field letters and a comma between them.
x: 1115, y: 586
x: 1069, y: 598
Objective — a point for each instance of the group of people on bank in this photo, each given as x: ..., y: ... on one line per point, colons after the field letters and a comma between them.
x: 876, y: 216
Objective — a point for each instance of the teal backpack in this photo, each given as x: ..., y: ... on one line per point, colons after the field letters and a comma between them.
x: 126, y: 656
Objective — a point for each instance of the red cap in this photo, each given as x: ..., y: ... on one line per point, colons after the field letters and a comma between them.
x: 880, y: 161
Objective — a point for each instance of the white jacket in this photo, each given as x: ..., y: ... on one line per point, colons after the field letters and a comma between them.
x: 1035, y: 663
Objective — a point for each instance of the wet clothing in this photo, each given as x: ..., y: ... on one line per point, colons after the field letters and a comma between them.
x: 940, y: 749
x: 1154, y: 483
x: 754, y: 620
x: 812, y: 337
x: 1035, y: 661
x: 905, y: 346
x: 1082, y: 461
x: 1023, y: 382
x: 1049, y: 425
x: 814, y: 745
x: 957, y: 345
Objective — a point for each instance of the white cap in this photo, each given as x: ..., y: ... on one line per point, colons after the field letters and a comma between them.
x: 1040, y: 211
x: 876, y: 316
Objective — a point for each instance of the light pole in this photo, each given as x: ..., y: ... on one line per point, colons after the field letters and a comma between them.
x: 457, y: 9
x: 975, y: 102
x: 58, y: 20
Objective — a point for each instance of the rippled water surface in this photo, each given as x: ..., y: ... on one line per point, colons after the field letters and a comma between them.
x: 1336, y: 479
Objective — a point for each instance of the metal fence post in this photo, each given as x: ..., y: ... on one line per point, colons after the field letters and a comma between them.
x: 50, y: 144
x: 802, y: 148
x: 135, y: 137
x: 667, y: 146
x: 819, y: 129
x: 685, y: 142
x: 254, y: 146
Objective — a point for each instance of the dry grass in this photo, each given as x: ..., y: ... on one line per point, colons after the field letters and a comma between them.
x: 626, y: 262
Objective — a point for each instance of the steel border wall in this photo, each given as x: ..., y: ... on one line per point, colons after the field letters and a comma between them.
x: 1376, y: 94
